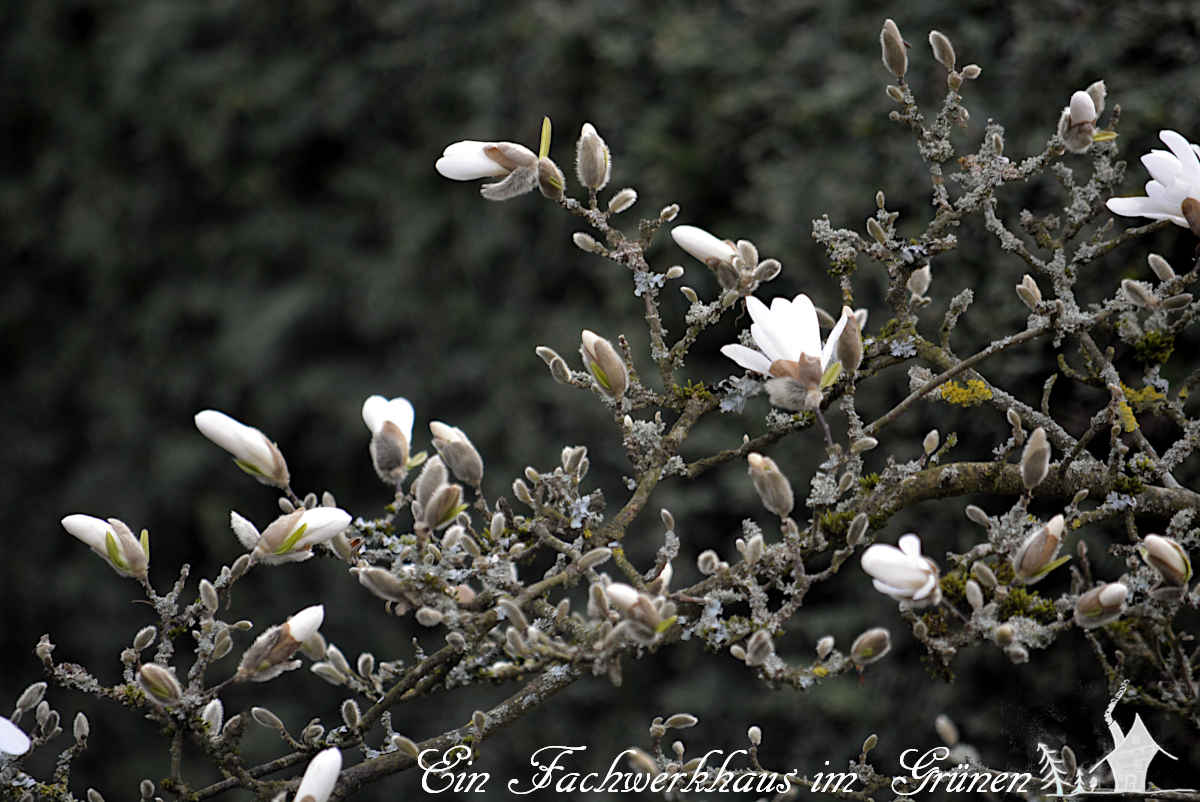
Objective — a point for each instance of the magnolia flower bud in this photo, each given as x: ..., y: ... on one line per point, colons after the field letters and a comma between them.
x: 984, y: 574
x: 291, y: 537
x: 457, y: 451
x: 1168, y: 558
x: 1140, y: 294
x: 1097, y: 91
x: 1035, y: 459
x: 773, y: 487
x: 31, y: 697
x: 850, y: 344
x: 709, y: 249
x: 919, y: 281
x: 931, y: 442
x: 269, y: 655
x: 431, y: 479
x: 442, y: 507
x: 622, y: 201
x: 971, y: 72
x: 1077, y: 124
x: 974, y: 594
x: 825, y: 647
x: 114, y: 542
x: 208, y: 596
x: 943, y: 51
x: 1100, y: 605
x: 320, y: 777
x: 604, y: 363
x: 586, y: 243
x: 1004, y: 634
x: 870, y: 646
x: 252, y: 451
x: 390, y: 424
x: 1036, y: 556
x: 978, y: 516
x: 708, y: 562
x: 895, y: 54
x: 551, y: 181
x: 160, y: 684
x: 857, y: 528
x: 214, y: 717
x: 902, y: 573
x: 946, y: 730
x: 759, y: 648
x: 593, y: 164
x: 80, y: 729
x: 863, y: 444
x: 1161, y: 267
x: 1029, y: 292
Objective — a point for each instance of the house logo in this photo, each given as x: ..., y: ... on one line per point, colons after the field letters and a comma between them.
x: 1128, y: 761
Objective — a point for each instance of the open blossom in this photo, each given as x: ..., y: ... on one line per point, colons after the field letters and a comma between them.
x: 903, y: 573
x: 270, y: 654
x: 114, y: 541
x: 290, y: 537
x: 470, y: 160
x: 1175, y: 177
x: 253, y: 452
x: 390, y: 424
x: 790, y: 351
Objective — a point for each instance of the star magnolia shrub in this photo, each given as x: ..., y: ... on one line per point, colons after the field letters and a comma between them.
x: 487, y: 570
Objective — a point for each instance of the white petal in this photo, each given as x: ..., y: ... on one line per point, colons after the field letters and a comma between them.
x: 373, y: 412
x: 1143, y: 207
x: 303, y: 624
x: 466, y: 161
x: 831, y: 344
x: 701, y: 244
x: 911, y: 545
x: 748, y: 358
x: 322, y: 524
x: 1188, y: 161
x: 377, y: 410
x: 1083, y: 109
x: 769, y: 331
x: 620, y: 595
x: 320, y: 776
x: 244, y: 442
x: 804, y: 314
x: 1162, y: 166
x: 926, y: 588
x: 91, y: 531
x: 12, y: 740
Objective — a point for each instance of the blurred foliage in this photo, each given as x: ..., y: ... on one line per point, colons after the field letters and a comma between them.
x: 233, y: 205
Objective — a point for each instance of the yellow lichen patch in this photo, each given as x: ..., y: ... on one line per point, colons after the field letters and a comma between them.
x: 1144, y: 396
x: 1128, y: 421
x: 975, y: 391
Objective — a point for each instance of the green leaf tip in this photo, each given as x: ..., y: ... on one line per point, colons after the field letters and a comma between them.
x: 544, y: 148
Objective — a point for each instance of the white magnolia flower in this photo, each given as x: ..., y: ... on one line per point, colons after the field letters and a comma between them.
x: 702, y: 245
x: 290, y: 537
x: 320, y: 776
x: 1175, y: 178
x: 390, y: 424
x: 252, y: 450
x: 470, y: 160
x: 12, y: 740
x: 114, y: 541
x: 903, y: 573
x: 790, y: 351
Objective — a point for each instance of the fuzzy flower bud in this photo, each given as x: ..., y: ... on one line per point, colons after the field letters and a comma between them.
x: 1036, y: 556
x: 1168, y: 558
x: 773, y: 487
x: 895, y: 53
x: 1101, y: 605
x: 1161, y: 267
x: 551, y: 181
x: 593, y: 164
x: 943, y: 51
x: 390, y: 424
x: 1035, y: 459
x: 622, y: 201
x: 850, y: 343
x: 252, y: 451
x: 1029, y: 292
x: 604, y: 363
x: 870, y: 646
x: 114, y: 542
x: 919, y: 281
x: 160, y: 684
x: 470, y: 160
x: 320, y: 777
x: 1140, y: 294
x: 270, y: 654
x: 444, y: 505
x: 214, y: 716
x: 457, y: 452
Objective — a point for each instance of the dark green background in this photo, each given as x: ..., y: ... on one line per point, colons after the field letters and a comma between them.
x: 233, y: 205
